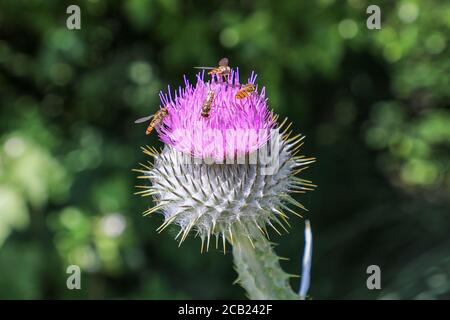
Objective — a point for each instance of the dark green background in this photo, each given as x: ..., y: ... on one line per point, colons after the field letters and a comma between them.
x: 374, y: 105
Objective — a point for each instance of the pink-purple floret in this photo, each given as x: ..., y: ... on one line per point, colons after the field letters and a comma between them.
x: 234, y: 126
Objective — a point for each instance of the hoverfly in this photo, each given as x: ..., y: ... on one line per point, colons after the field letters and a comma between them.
x: 158, y: 118
x: 245, y: 91
x: 206, y: 108
x: 222, y: 69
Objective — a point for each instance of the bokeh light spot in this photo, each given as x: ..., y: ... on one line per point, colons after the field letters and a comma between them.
x: 61, y: 73
x: 435, y: 43
x: 229, y: 37
x: 393, y: 52
x: 408, y: 12
x: 113, y: 224
x: 14, y: 147
x: 348, y: 29
x: 140, y: 72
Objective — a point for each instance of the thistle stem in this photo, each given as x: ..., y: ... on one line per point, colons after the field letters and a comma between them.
x: 258, y: 266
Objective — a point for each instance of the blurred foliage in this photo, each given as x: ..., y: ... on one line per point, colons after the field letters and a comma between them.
x: 374, y: 105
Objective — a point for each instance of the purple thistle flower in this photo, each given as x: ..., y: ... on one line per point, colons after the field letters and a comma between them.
x: 233, y: 127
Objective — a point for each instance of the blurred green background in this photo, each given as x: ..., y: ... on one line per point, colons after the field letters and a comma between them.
x: 374, y: 105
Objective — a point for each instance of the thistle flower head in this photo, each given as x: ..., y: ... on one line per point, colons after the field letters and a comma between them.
x: 213, y: 136
x: 236, y: 166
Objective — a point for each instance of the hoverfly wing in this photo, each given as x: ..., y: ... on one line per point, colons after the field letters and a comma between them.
x: 204, y: 68
x: 144, y: 119
x: 223, y: 62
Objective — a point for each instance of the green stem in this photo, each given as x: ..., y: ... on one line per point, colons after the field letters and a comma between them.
x: 258, y: 266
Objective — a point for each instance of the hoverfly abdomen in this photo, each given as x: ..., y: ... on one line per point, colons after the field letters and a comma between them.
x: 245, y: 91
x: 207, y: 105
